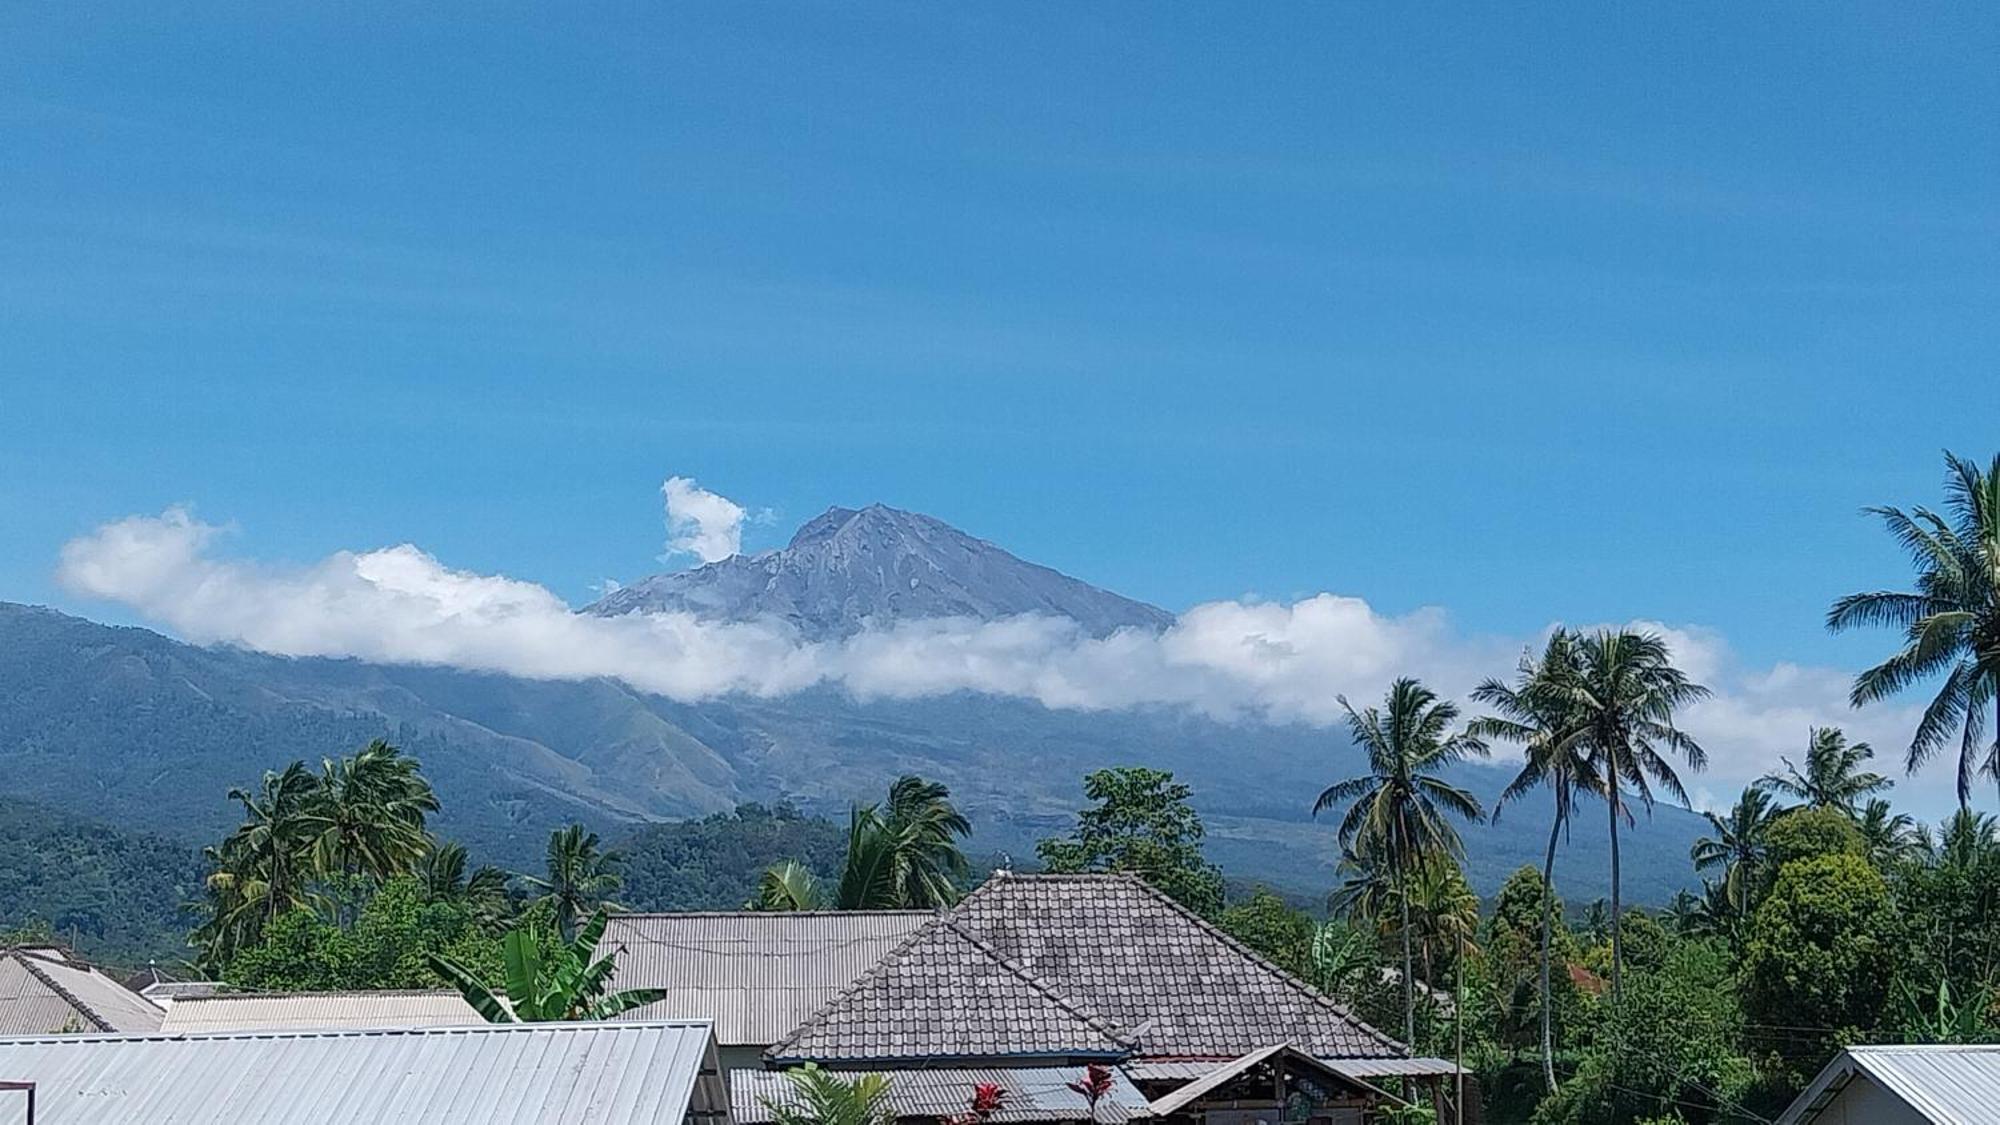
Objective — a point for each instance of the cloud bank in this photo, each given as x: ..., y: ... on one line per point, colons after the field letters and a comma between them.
x: 1228, y: 659
x: 701, y: 523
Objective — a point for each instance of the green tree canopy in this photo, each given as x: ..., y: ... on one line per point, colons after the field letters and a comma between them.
x: 1820, y: 956
x: 1809, y: 833
x: 1140, y: 820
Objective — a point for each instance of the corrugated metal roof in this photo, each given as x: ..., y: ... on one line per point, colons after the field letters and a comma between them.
x: 1944, y: 1083
x: 40, y: 995
x: 322, y: 1010
x: 1032, y: 1094
x: 494, y: 1074
x: 757, y: 975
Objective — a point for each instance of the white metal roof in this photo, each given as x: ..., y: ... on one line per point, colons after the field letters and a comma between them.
x: 1030, y: 1094
x: 1944, y: 1083
x: 757, y: 975
x: 41, y: 994
x: 323, y: 1011
x: 493, y: 1074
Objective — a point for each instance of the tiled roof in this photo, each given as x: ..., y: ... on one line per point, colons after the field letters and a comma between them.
x: 319, y: 1010
x: 945, y: 994
x: 757, y: 975
x: 494, y: 1074
x: 1178, y: 985
x: 1029, y: 1094
x: 44, y: 993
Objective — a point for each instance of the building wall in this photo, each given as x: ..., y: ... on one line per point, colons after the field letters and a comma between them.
x: 740, y: 1058
x: 1864, y: 1102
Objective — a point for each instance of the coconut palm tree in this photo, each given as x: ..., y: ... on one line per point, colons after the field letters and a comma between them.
x: 483, y: 891
x: 1950, y: 622
x: 1398, y: 811
x: 1833, y: 777
x: 902, y: 856
x: 788, y: 886
x: 1891, y: 837
x: 581, y: 877
x: 1624, y: 696
x: 1536, y: 713
x: 367, y: 816
x: 1737, y: 846
x: 925, y: 829
x: 262, y: 869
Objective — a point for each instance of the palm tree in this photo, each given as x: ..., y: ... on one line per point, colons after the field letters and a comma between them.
x: 904, y: 858
x: 1536, y: 713
x: 1397, y: 810
x: 1624, y: 697
x: 926, y: 829
x: 367, y: 817
x: 1891, y: 837
x: 1833, y: 777
x: 1443, y: 911
x: 262, y: 869
x: 1950, y: 623
x: 788, y: 886
x: 568, y: 985
x: 1715, y: 914
x: 1966, y: 842
x: 483, y: 891
x: 1737, y: 846
x: 581, y: 878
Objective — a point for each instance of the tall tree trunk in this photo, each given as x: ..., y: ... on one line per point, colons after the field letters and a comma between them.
x: 1548, y: 922
x: 1617, y: 909
x: 1409, y: 984
x: 1458, y: 1035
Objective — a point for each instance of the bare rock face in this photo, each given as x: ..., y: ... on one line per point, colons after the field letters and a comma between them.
x: 848, y: 569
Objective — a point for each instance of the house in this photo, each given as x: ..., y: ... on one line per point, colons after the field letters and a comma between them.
x: 755, y: 975
x: 1030, y: 980
x: 44, y: 990
x: 1902, y: 1085
x: 293, y: 1011
x: 492, y: 1074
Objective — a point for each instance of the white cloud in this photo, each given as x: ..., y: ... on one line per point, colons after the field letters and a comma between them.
x: 701, y: 523
x: 1284, y: 662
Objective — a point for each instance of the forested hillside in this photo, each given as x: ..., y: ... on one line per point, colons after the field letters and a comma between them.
x: 117, y: 896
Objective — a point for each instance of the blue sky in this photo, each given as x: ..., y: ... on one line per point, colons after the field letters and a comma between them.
x: 1571, y: 313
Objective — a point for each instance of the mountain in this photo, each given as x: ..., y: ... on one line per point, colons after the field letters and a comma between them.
x: 128, y: 727
x: 849, y: 568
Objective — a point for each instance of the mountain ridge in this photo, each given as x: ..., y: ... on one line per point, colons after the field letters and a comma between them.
x: 848, y: 569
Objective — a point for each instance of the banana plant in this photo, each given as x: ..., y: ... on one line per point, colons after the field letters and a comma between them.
x: 567, y: 985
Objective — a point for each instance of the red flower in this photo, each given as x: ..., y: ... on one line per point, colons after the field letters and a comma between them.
x: 986, y: 1099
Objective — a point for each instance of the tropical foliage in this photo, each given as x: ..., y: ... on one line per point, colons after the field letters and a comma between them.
x: 1950, y: 621
x: 542, y: 983
x: 1397, y: 814
x: 901, y: 855
x: 821, y: 1098
x: 1142, y: 821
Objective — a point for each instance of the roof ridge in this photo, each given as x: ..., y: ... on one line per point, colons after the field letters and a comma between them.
x: 1265, y: 963
x: 71, y: 998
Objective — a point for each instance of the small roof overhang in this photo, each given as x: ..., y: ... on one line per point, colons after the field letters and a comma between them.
x: 1281, y: 1053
